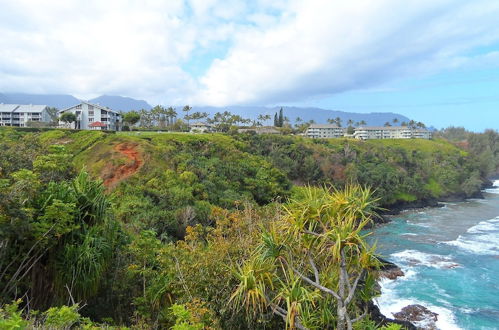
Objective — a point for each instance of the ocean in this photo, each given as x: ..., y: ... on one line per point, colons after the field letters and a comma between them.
x: 450, y: 257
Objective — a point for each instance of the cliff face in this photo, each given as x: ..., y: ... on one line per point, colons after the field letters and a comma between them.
x: 405, y: 173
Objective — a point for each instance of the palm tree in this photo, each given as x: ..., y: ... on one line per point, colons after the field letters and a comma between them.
x: 350, y: 122
x: 395, y: 120
x: 387, y: 124
x: 186, y: 109
x: 312, y: 260
x: 363, y: 122
x: 338, y: 121
x: 420, y: 124
x: 171, y: 114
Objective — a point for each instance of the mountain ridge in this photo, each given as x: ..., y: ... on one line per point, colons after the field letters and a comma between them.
x: 123, y: 103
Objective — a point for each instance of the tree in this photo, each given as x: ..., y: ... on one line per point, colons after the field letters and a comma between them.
x: 313, y: 261
x: 387, y: 124
x: 68, y: 118
x: 363, y: 122
x: 131, y: 117
x: 338, y: 121
x: 395, y: 120
x: 186, y: 109
x: 276, y: 120
x: 281, y: 118
x: 171, y: 114
x: 54, y: 115
x: 350, y: 122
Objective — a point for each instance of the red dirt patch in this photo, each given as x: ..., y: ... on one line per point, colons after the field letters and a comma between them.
x: 135, y: 162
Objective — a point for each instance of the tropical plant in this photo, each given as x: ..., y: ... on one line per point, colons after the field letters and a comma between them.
x: 313, y: 261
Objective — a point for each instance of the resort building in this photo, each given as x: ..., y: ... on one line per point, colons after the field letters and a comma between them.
x: 93, y: 116
x: 21, y: 114
x: 390, y: 132
x: 200, y: 127
x: 325, y: 131
x: 260, y: 130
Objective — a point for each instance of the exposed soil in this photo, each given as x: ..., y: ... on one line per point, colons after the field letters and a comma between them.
x: 133, y: 164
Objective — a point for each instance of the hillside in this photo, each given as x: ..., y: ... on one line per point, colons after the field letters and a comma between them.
x: 145, y: 228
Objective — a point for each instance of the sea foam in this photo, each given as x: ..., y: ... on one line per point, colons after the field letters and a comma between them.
x: 389, y: 303
x: 483, y: 238
x: 418, y: 258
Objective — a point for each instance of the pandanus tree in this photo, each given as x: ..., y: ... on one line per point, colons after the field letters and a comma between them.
x: 313, y: 268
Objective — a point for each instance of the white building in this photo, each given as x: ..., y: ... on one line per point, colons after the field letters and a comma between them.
x: 260, y: 130
x: 316, y: 131
x: 93, y: 116
x: 20, y: 114
x: 390, y: 132
x: 200, y: 127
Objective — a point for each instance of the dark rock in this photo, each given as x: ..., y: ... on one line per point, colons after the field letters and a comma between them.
x: 381, y: 320
x: 392, y: 274
x: 389, y: 269
x: 419, y: 315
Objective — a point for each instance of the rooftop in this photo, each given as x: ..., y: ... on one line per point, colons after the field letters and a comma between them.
x: 324, y: 126
x: 22, y: 107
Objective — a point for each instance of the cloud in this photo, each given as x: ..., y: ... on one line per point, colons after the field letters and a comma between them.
x: 324, y: 47
x: 278, y: 51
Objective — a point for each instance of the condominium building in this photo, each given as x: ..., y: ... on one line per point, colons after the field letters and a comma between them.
x: 20, y: 115
x: 325, y: 131
x: 93, y: 116
x: 390, y: 132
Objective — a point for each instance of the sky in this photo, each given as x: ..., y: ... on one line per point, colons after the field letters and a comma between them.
x: 435, y: 61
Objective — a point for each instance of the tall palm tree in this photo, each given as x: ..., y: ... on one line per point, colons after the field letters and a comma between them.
x: 186, y: 109
x: 350, y: 122
x: 395, y: 120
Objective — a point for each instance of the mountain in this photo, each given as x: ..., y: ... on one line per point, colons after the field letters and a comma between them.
x: 59, y: 101
x: 121, y: 103
x: 62, y: 101
x: 319, y: 115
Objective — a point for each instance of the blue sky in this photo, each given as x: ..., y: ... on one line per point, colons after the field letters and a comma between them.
x: 434, y: 61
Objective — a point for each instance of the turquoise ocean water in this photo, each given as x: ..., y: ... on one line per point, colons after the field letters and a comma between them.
x: 450, y: 256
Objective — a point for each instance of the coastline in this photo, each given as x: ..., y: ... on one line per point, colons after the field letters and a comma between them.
x: 390, y: 270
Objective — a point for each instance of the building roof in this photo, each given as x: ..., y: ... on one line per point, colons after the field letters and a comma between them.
x: 22, y: 107
x: 324, y: 126
x: 199, y: 124
x: 97, y: 124
x: 389, y: 128
x: 98, y: 106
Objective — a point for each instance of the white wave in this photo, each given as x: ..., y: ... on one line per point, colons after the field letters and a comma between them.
x: 389, y: 303
x: 494, y: 189
x: 416, y: 258
x: 485, y: 226
x: 483, y: 238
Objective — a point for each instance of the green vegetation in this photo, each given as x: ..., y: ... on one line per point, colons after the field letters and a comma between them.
x: 207, y: 231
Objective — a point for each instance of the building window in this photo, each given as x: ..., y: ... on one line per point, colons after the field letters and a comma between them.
x: 90, y: 120
x: 91, y: 113
x: 78, y: 106
x: 90, y: 107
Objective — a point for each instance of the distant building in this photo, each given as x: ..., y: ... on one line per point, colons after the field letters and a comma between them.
x: 260, y: 130
x: 391, y: 132
x: 20, y: 114
x: 324, y: 131
x: 93, y: 116
x: 200, y: 127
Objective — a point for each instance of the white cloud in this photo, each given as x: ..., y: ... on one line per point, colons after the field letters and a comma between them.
x: 279, y: 51
x: 323, y: 47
